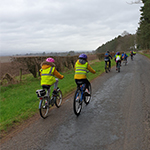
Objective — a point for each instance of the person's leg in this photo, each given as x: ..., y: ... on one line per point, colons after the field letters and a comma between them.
x: 105, y: 64
x: 48, y: 89
x: 116, y: 64
x: 55, y: 86
x: 109, y: 64
x: 86, y: 90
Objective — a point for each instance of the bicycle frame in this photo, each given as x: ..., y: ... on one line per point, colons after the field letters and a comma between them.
x: 82, y: 91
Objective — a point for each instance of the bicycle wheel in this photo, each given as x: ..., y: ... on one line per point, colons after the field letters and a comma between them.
x: 43, y: 107
x: 118, y: 66
x: 77, y: 104
x: 58, y: 99
x: 106, y: 68
x: 88, y: 98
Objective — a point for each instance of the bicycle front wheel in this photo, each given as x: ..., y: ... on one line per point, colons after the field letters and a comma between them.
x: 58, y: 99
x: 44, y: 107
x: 77, y: 104
x: 86, y: 97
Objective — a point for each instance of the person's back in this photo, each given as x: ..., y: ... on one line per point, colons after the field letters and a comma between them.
x: 124, y: 55
x: 131, y: 53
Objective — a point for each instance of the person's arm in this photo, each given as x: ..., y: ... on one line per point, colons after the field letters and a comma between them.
x: 91, y: 69
x: 57, y: 74
x: 110, y: 56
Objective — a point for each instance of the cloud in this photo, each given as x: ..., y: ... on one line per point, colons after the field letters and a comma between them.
x: 46, y: 25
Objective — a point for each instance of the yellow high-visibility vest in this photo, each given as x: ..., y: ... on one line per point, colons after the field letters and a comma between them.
x: 81, y: 69
x: 118, y: 57
x: 47, y: 77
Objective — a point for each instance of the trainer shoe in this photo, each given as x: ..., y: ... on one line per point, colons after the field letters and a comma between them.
x: 55, y: 92
x: 87, y: 93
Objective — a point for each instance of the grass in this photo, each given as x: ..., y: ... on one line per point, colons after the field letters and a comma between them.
x: 147, y: 55
x: 19, y: 102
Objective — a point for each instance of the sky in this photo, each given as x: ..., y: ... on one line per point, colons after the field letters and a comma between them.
x: 37, y: 26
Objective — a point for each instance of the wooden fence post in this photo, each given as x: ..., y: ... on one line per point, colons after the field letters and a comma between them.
x: 20, y: 74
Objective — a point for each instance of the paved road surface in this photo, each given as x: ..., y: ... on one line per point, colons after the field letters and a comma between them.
x: 117, y: 118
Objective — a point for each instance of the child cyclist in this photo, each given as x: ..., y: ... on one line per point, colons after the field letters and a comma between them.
x: 81, y: 68
x: 124, y: 56
x: 47, y: 72
x: 107, y: 59
x: 118, y: 59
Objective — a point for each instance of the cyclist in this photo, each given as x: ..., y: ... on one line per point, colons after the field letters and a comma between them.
x: 47, y: 72
x: 118, y: 59
x: 134, y: 52
x: 124, y: 56
x: 81, y: 68
x: 107, y: 59
x: 131, y: 54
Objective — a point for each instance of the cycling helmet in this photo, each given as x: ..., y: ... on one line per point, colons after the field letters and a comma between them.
x: 107, y: 51
x: 50, y: 60
x: 83, y: 56
x: 118, y: 53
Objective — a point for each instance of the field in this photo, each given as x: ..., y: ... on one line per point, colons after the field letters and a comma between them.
x: 13, y: 68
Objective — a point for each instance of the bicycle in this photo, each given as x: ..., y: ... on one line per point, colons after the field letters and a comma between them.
x: 125, y: 62
x: 79, y: 97
x: 46, y: 102
x: 132, y: 57
x: 118, y: 66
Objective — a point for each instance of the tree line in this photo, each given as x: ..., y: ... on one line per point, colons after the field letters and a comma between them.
x: 143, y: 32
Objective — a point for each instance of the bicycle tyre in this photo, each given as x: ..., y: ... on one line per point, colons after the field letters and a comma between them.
x: 43, y: 107
x: 106, y: 68
x: 77, y: 105
x: 88, y: 98
x: 118, y: 67
x: 58, y: 99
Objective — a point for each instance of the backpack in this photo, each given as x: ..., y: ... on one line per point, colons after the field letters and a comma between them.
x: 106, y: 54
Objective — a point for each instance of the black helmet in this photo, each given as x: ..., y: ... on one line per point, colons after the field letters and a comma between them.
x: 107, y: 51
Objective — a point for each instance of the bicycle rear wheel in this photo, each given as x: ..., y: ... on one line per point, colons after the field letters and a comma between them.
x: 106, y: 68
x: 88, y: 98
x: 44, y: 107
x: 58, y: 99
x: 118, y: 66
x: 77, y: 104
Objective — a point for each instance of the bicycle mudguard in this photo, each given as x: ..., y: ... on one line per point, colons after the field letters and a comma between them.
x: 40, y: 104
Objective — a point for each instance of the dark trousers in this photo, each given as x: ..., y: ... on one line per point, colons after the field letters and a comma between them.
x: 119, y: 61
x: 82, y: 81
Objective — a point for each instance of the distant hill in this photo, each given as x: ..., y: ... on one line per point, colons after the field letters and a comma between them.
x: 124, y: 42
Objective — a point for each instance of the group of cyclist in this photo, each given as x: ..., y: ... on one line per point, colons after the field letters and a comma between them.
x: 48, y: 70
x: 117, y: 57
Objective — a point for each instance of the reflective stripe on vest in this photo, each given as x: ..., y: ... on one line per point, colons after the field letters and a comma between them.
x: 81, y: 69
x: 118, y: 57
x: 47, y: 72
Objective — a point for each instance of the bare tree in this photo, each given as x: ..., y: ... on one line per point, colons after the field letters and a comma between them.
x: 135, y: 2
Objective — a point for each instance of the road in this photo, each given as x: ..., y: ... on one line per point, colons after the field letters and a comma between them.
x: 117, y: 118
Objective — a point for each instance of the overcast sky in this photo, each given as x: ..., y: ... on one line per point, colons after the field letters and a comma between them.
x: 34, y: 26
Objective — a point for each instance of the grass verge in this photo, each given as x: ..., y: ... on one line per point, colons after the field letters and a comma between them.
x: 147, y: 55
